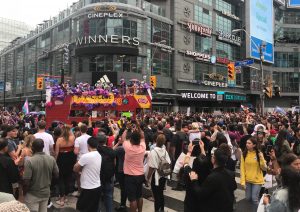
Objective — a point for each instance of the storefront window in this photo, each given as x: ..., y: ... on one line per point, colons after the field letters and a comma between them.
x: 228, y: 51
x: 161, y: 31
x: 203, y: 16
x: 208, y: 2
x: 161, y: 64
x: 225, y: 24
x: 222, y: 5
x: 121, y: 63
x: 131, y: 28
x: 203, y: 44
x: 288, y: 81
x: 201, y: 69
x: 288, y: 35
x: 286, y: 59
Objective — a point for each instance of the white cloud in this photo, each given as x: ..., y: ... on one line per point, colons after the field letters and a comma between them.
x: 32, y: 12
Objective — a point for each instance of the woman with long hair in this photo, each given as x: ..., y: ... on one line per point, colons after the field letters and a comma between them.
x: 65, y: 158
x: 158, y: 182
x: 282, y: 146
x: 252, y: 166
x: 26, y: 150
x: 287, y: 197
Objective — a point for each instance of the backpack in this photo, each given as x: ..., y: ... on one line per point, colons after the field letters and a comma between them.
x: 164, y: 167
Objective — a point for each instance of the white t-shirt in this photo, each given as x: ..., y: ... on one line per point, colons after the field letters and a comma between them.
x: 81, y: 143
x: 48, y: 141
x: 90, y: 176
x: 155, y: 157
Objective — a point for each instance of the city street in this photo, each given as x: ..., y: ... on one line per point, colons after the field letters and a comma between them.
x: 174, y: 200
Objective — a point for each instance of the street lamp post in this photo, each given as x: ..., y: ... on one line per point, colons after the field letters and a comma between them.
x: 151, y: 61
x: 4, y: 90
x: 261, y: 55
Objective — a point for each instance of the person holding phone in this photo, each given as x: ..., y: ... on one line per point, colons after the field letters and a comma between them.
x: 201, y: 166
x: 252, y: 166
x: 287, y: 197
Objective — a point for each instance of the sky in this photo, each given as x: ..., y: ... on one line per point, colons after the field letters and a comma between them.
x: 32, y: 12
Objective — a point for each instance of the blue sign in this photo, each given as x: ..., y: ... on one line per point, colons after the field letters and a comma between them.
x: 220, y: 92
x: 1, y: 86
x: 294, y: 3
x: 51, y: 80
x: 261, y: 29
x: 243, y: 63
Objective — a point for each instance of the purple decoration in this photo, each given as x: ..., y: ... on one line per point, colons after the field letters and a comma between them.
x: 115, y: 91
x: 146, y: 86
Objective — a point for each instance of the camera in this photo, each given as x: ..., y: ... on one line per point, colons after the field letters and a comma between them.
x: 269, y: 149
x: 196, y: 141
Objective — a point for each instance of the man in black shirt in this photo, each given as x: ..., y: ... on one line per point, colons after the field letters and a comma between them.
x: 107, y: 170
x: 8, y: 170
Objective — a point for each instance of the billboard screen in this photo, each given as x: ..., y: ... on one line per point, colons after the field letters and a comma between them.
x: 261, y: 29
x: 294, y: 3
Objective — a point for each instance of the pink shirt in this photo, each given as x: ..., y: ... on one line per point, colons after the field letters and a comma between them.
x: 134, y: 158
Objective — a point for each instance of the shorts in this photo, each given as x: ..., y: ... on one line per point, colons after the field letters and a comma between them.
x: 134, y: 187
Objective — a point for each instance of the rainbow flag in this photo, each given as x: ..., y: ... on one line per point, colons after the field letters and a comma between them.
x: 25, y: 107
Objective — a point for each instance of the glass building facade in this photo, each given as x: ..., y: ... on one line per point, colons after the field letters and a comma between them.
x: 212, y: 15
x: 134, y: 38
x: 11, y: 29
x: 286, y: 72
x: 128, y: 45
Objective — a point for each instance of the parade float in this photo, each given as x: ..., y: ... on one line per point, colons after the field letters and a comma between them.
x: 68, y: 103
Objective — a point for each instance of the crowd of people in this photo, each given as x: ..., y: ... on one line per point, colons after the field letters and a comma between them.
x: 202, y: 150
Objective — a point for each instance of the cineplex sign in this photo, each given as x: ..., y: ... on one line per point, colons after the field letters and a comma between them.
x: 108, y: 11
x: 103, y: 39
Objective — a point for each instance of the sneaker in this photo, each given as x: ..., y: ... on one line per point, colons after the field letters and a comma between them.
x: 120, y: 208
x: 75, y: 194
x: 50, y: 205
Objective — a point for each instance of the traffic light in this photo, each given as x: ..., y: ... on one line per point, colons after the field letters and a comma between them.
x: 66, y: 55
x: 40, y: 83
x: 277, y: 90
x: 153, y: 82
x: 231, y: 71
x: 268, y: 88
x: 268, y: 91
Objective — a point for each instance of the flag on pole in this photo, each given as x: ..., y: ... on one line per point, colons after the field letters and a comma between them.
x: 149, y: 93
x: 25, y: 107
x: 245, y: 108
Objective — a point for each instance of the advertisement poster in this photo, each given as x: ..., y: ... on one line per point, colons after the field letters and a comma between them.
x: 261, y: 29
x: 294, y: 3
